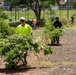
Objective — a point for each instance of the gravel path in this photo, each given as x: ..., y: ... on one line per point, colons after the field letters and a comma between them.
x: 61, y: 62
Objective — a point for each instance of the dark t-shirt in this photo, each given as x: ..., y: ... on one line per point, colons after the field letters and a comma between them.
x: 57, y: 24
x: 72, y: 18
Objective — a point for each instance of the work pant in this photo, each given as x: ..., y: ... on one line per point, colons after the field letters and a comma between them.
x: 55, y: 40
x: 25, y: 56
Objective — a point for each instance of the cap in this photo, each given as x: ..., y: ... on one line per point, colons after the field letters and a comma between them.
x: 22, y: 18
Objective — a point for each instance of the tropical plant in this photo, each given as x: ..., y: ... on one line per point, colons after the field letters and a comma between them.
x: 3, y: 14
x: 49, y: 32
x: 5, y: 29
x: 12, y: 48
x: 47, y: 49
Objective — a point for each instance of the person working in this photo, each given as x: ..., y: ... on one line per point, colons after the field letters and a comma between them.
x: 24, y: 29
x: 34, y: 22
x: 72, y: 19
x: 56, y: 24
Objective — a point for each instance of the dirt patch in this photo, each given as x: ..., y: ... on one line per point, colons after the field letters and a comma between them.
x: 61, y: 62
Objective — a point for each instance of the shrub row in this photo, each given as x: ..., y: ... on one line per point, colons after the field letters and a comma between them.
x: 40, y: 23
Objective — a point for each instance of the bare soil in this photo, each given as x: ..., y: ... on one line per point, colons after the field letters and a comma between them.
x: 61, y: 62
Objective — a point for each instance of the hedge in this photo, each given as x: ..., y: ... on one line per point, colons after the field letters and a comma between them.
x: 40, y: 23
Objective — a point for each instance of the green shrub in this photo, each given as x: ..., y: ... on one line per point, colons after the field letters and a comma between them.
x: 5, y: 29
x: 49, y: 31
x: 3, y: 14
x: 47, y: 49
x: 10, y: 20
x: 1, y: 35
x: 12, y: 48
x: 14, y: 24
x: 52, y: 19
x: 41, y: 23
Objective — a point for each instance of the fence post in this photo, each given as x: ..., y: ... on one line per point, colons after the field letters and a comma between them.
x: 67, y: 9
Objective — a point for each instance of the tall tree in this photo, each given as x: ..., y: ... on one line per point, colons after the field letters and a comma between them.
x: 35, y: 5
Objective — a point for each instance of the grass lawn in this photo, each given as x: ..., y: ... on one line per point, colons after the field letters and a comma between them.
x: 30, y: 14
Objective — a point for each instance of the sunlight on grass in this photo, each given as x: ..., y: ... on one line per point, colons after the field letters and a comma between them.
x: 68, y: 63
x: 47, y: 63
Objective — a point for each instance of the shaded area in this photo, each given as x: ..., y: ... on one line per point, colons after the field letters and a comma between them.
x: 61, y: 62
x: 16, y: 70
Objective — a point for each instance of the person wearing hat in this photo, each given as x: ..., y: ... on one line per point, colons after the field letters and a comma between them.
x: 26, y: 29
x: 23, y: 28
x: 56, y: 24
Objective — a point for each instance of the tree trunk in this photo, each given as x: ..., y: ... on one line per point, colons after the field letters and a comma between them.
x: 38, y: 15
x: 15, y: 15
x: 37, y: 10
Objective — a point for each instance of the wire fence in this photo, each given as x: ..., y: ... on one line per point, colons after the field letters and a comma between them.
x: 62, y: 14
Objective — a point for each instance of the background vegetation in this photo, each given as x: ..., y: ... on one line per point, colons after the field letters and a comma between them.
x: 29, y: 15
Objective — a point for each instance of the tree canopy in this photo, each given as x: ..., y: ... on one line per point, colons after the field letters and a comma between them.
x: 35, y: 5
